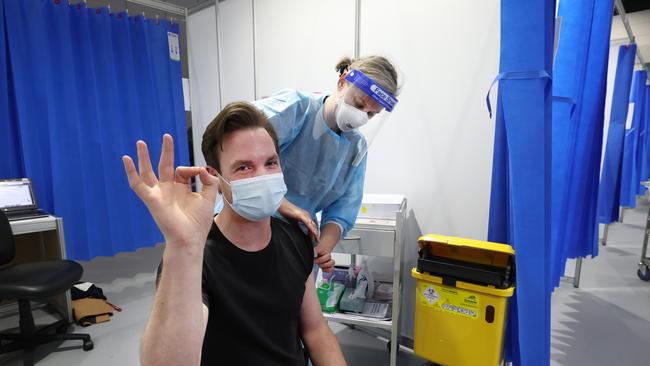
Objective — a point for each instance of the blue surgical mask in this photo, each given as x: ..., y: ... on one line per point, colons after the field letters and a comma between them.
x: 256, y: 198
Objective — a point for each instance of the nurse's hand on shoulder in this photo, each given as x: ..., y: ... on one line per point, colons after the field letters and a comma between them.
x: 183, y: 216
x: 291, y: 211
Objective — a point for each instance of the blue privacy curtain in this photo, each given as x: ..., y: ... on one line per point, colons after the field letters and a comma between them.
x: 610, y: 179
x: 642, y: 153
x: 634, y: 143
x: 520, y: 211
x: 579, y: 75
x: 81, y: 86
x: 10, y: 160
x: 644, y: 144
x: 646, y: 109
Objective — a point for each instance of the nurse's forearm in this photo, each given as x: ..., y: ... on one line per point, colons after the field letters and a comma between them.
x: 291, y: 211
x: 329, y: 236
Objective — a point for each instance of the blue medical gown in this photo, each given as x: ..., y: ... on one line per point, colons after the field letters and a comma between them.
x: 323, y: 171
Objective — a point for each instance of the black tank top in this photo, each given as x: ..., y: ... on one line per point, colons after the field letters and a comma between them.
x: 255, y: 298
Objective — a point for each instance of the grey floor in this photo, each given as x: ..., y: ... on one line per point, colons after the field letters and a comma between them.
x: 604, y: 322
x: 607, y: 320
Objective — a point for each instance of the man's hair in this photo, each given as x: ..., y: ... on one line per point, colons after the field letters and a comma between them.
x: 234, y: 117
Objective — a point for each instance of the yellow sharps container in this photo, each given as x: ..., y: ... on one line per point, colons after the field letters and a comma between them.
x: 462, y: 293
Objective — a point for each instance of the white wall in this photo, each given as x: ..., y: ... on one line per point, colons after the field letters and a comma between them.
x: 437, y: 147
x: 236, y: 50
x: 204, y: 75
x: 298, y: 43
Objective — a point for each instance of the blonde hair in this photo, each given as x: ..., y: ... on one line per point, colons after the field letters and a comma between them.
x: 376, y: 67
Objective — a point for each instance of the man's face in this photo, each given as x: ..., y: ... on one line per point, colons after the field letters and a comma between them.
x: 247, y: 153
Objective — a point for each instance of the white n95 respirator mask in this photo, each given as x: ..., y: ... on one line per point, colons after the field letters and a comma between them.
x: 348, y: 117
x: 256, y: 198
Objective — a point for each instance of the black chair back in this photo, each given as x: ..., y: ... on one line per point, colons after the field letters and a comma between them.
x: 7, y: 244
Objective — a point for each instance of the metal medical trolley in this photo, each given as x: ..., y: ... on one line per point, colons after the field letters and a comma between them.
x: 644, y: 264
x: 381, y: 238
x: 644, y: 271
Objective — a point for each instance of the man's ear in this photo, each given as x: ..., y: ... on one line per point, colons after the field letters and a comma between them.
x: 213, y: 172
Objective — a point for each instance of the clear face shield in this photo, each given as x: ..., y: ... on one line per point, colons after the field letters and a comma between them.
x: 366, y: 107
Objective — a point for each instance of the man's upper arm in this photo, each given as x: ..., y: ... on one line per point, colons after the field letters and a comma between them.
x: 311, y: 315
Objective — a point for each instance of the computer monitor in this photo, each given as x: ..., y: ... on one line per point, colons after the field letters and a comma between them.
x: 17, y: 194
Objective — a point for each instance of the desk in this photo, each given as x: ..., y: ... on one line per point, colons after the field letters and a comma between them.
x: 42, y: 239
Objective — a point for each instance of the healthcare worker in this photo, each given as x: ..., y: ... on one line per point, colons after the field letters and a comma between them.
x: 323, y: 151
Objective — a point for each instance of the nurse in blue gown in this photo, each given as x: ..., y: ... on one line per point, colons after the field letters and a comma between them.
x: 323, y: 153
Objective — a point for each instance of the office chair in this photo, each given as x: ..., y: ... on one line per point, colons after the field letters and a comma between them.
x: 35, y: 281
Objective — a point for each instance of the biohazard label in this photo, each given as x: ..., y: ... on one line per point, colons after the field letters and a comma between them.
x: 449, y: 300
x: 430, y: 295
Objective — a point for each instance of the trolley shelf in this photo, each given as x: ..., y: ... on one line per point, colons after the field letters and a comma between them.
x: 359, y: 320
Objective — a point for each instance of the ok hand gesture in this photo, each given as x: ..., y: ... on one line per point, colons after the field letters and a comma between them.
x: 183, y: 216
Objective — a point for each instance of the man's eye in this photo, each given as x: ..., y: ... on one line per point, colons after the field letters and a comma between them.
x: 242, y: 168
x: 272, y: 163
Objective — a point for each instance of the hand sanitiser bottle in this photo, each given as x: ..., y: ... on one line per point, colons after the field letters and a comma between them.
x: 329, y: 294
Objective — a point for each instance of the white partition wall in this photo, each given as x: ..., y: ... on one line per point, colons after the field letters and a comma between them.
x: 437, y: 148
x: 204, y: 74
x: 236, y: 50
x: 298, y: 43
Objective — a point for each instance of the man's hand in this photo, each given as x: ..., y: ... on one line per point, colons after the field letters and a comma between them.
x: 183, y: 216
x: 291, y: 211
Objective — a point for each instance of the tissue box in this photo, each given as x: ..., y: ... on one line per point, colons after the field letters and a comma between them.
x: 351, y: 305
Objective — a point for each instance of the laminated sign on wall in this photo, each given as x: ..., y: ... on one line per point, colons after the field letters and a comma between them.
x: 174, y: 46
